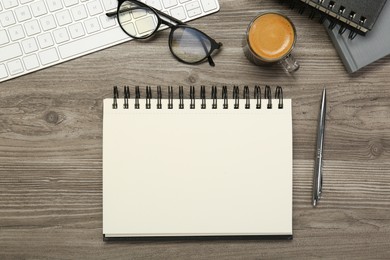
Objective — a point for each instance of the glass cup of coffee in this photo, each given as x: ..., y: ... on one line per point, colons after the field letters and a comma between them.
x: 269, y: 39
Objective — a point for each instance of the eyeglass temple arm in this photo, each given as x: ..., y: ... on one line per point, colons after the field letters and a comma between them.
x: 210, y: 60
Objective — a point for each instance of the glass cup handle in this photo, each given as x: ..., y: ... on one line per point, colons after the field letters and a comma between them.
x: 289, y: 64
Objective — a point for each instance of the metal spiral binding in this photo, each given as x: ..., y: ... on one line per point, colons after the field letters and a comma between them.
x: 247, y: 98
x: 126, y: 97
x: 332, y: 24
x: 214, y: 96
x: 203, y: 97
x: 267, y: 95
x: 148, y: 97
x: 159, y: 97
x: 116, y: 96
x: 170, y: 97
x: 225, y: 97
x: 137, y: 97
x: 322, y: 18
x: 181, y: 98
x: 192, y: 97
x: 257, y: 96
x: 339, y: 14
x: 236, y: 97
x: 342, y: 27
x: 279, y: 95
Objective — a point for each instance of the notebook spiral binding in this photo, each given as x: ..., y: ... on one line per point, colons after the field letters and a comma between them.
x: 335, y: 16
x: 214, y: 96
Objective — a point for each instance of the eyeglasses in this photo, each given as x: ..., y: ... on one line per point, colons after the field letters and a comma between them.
x: 187, y: 44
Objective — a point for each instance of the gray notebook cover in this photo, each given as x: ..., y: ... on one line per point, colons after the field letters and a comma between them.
x: 364, y: 50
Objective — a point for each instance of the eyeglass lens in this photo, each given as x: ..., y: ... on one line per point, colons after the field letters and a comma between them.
x: 189, y: 44
x: 137, y: 21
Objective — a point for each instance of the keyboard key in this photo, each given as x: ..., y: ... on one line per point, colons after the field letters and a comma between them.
x: 208, y: 5
x: 110, y: 5
x: 145, y: 24
x: 179, y: 13
x: 23, y: 13
x: 32, y: 27
x: 184, y: 1
x: 29, y: 45
x: 10, y: 3
x: 138, y: 13
x: 194, y: 12
x: 70, y: 2
x: 94, y: 41
x: 45, y: 40
x: 16, y: 32
x: 94, y: 8
x: 54, y: 5
x: 76, y: 30
x: 79, y: 12
x: 192, y: 6
x: 25, y: 1
x: 1, y: 8
x: 155, y: 3
x: 3, y: 37
x: 7, y: 18
x: 38, y: 8
x: 61, y: 35
x: 169, y: 3
x: 48, y: 22
x: 31, y: 62
x: 15, y: 67
x: 63, y: 18
x: 92, y: 25
x: 3, y: 71
x: 125, y: 16
x: 10, y: 51
x: 107, y: 22
x: 48, y: 56
x: 129, y: 28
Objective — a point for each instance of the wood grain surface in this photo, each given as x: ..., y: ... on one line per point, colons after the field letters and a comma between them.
x: 51, y: 147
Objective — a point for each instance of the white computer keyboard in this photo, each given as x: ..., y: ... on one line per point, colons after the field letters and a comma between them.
x: 36, y: 34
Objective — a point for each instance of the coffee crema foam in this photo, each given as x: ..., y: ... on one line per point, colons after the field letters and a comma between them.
x: 271, y: 36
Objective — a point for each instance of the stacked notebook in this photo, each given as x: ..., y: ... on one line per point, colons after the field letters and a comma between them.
x: 197, y: 167
x: 364, y: 50
x: 363, y: 43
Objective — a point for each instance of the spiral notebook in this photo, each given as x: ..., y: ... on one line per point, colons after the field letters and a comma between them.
x: 197, y: 167
x: 356, y: 15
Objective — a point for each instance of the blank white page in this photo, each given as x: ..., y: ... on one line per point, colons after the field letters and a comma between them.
x: 197, y: 172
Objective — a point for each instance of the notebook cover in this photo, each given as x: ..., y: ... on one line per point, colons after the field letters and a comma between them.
x: 364, y: 50
x: 369, y: 10
x: 197, y: 174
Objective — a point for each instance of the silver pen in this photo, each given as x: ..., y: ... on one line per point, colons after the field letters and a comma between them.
x: 317, y: 180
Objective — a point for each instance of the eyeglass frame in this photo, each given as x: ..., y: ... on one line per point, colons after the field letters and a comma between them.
x: 179, y: 24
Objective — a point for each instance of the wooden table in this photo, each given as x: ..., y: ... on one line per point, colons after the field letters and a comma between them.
x: 51, y: 146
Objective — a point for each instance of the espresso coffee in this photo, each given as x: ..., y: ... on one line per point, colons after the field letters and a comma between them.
x: 271, y: 36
